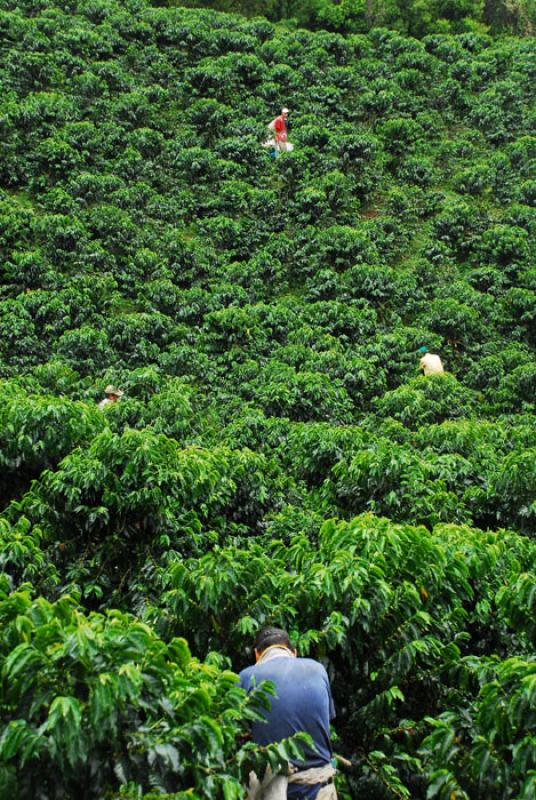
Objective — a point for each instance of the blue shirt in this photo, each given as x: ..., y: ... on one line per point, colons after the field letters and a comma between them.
x: 303, y: 702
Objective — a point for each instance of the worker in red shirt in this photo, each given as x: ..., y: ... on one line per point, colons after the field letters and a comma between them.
x: 278, y: 130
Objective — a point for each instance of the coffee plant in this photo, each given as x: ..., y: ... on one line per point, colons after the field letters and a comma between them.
x: 277, y: 456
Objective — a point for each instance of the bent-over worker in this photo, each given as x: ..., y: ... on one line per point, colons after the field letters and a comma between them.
x: 430, y: 363
x: 303, y: 702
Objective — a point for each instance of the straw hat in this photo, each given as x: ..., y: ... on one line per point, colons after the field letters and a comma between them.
x: 111, y: 389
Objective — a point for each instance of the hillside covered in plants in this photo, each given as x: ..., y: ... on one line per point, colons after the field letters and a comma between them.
x: 413, y: 17
x: 277, y: 457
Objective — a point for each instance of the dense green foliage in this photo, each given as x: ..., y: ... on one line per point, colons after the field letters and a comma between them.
x: 101, y: 699
x: 276, y: 456
x: 416, y: 17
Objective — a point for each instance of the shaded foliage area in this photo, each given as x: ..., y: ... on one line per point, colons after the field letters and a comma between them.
x: 276, y: 456
x: 414, y: 17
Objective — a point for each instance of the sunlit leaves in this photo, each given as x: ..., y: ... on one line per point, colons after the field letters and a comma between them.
x: 105, y: 691
x: 263, y: 317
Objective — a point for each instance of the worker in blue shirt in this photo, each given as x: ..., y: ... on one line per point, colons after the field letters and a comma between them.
x: 302, y: 702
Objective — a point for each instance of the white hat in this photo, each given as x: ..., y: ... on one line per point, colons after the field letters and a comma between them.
x: 284, y: 111
x: 111, y: 389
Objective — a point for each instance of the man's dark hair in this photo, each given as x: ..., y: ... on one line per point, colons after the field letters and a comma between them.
x: 267, y: 637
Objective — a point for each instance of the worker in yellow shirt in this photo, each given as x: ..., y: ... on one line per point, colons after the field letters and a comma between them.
x: 430, y: 364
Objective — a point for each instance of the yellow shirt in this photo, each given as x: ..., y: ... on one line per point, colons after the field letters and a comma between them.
x: 431, y: 364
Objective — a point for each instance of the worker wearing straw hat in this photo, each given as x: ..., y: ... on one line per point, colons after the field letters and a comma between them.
x: 112, y: 396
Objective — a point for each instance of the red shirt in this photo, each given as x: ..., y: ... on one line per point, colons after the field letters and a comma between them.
x: 280, y: 129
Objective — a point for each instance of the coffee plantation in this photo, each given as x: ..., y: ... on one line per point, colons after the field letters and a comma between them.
x: 277, y: 457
